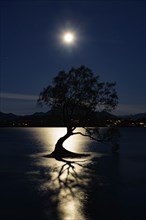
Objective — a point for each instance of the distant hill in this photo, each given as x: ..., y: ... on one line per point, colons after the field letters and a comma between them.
x: 135, y: 116
x: 37, y: 119
x: 7, y: 116
x: 54, y: 118
x: 103, y: 114
x: 51, y: 117
x: 138, y: 116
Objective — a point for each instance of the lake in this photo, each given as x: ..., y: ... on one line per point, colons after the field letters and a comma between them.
x: 103, y: 186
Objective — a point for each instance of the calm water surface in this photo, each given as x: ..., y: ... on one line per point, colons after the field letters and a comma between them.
x: 103, y: 186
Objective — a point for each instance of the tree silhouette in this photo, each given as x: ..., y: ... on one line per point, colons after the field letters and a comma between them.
x: 77, y: 94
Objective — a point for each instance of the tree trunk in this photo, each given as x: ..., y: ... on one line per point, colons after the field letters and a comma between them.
x: 60, y: 152
x: 59, y: 145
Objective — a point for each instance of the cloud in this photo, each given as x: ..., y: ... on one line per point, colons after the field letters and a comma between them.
x: 18, y: 96
x: 20, y: 104
x: 27, y: 104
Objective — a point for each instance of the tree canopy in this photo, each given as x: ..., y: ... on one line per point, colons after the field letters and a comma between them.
x: 77, y: 94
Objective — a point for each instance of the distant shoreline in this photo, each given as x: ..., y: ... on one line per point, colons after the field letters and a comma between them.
x: 54, y: 119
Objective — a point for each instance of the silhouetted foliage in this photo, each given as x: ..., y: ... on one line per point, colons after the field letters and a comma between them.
x: 77, y: 94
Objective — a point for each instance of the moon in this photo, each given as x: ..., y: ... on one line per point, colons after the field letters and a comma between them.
x: 68, y: 38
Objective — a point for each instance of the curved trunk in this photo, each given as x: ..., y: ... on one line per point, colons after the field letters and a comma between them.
x: 59, y: 145
x: 59, y: 150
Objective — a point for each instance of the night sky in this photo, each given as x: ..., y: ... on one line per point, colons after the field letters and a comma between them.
x: 110, y: 40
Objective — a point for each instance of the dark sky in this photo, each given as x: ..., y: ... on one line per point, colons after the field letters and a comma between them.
x: 110, y: 41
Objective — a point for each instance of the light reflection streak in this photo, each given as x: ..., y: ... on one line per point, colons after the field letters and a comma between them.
x: 47, y: 138
x: 66, y: 179
x: 73, y: 143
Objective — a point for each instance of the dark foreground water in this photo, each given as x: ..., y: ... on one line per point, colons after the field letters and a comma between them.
x: 104, y: 186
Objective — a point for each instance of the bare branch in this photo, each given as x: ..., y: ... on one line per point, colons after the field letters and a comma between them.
x: 87, y: 135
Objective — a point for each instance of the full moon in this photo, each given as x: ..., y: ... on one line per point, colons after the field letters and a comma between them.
x: 68, y: 38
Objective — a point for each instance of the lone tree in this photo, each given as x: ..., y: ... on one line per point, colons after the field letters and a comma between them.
x: 77, y: 95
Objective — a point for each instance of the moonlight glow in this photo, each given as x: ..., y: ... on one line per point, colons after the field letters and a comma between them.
x: 68, y: 38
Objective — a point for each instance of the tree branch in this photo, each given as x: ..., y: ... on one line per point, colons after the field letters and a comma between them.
x: 87, y: 135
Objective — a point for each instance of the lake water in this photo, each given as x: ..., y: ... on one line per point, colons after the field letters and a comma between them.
x: 103, y: 186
